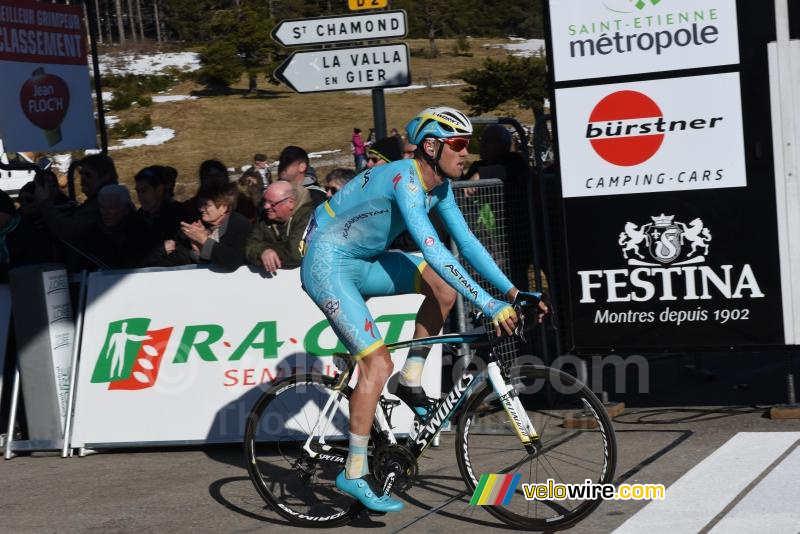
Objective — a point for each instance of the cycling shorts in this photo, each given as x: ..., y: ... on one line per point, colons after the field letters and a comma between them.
x: 339, y: 285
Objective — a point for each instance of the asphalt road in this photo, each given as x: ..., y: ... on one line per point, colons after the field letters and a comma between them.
x: 726, y: 470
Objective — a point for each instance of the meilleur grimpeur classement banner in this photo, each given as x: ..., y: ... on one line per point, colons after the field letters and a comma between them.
x: 181, y: 356
x: 603, y: 38
x: 45, y: 94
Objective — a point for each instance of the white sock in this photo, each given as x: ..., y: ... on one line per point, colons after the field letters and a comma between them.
x: 356, y: 465
x: 411, y: 373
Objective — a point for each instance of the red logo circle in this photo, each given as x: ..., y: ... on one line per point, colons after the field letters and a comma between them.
x: 623, y: 128
x: 429, y: 241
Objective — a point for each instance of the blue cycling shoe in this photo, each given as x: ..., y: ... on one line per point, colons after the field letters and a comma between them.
x: 358, y: 488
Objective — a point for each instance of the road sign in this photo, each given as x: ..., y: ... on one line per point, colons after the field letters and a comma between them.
x: 356, y: 5
x: 358, y: 27
x: 340, y: 69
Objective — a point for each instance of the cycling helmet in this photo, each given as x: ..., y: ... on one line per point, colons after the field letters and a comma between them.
x: 439, y: 122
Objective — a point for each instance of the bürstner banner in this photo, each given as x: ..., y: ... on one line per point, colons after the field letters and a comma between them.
x: 45, y: 95
x: 181, y: 356
x: 677, y: 134
x: 603, y: 38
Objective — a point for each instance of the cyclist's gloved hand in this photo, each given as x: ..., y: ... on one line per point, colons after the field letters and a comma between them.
x: 502, y: 314
x: 532, y: 299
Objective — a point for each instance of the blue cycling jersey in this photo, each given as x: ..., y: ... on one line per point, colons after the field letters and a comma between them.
x: 348, y: 237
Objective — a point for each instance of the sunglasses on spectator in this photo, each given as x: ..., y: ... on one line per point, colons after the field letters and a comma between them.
x: 456, y: 143
x: 275, y: 204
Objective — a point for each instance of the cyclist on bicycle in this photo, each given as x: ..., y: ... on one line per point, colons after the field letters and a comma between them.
x: 346, y: 260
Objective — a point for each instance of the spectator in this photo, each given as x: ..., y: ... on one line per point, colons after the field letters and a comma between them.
x: 221, y: 236
x: 214, y: 175
x: 110, y: 241
x: 408, y: 150
x: 359, y: 150
x: 72, y: 225
x: 293, y: 167
x: 384, y: 151
x: 371, y: 137
x: 156, y: 225
x: 275, y: 242
x: 336, y: 179
x: 260, y: 169
x: 497, y: 160
x: 9, y: 220
x: 250, y: 185
x: 397, y: 135
x: 31, y: 241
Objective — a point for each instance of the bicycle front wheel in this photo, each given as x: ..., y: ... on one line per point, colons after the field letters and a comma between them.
x: 299, y: 487
x: 576, y: 443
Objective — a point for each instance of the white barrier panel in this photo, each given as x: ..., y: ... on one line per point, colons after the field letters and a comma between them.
x: 180, y: 356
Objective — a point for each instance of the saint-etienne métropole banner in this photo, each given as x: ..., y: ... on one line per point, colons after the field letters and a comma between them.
x: 670, y: 221
x: 181, y: 356
x: 45, y: 94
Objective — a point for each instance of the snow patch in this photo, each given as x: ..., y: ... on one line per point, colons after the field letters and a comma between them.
x: 172, y: 98
x: 522, y: 47
x: 321, y: 153
x: 148, y: 63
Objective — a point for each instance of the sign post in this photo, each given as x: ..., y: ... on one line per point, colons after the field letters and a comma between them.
x: 340, y: 69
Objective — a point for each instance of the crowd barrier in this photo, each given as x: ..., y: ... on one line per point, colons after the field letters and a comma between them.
x: 178, y: 356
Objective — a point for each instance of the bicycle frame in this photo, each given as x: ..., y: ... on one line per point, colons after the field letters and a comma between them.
x: 419, y: 440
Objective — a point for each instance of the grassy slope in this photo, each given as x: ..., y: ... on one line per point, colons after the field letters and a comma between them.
x: 234, y: 127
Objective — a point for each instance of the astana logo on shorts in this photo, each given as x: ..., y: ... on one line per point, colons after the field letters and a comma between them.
x: 131, y: 355
x: 665, y: 241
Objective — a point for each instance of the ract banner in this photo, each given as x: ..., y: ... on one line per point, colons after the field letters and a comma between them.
x: 45, y: 96
x: 181, y: 356
x: 603, y: 38
x: 677, y: 134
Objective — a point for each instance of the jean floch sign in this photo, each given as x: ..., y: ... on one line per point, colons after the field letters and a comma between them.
x: 45, y: 96
x: 677, y: 134
x: 600, y: 38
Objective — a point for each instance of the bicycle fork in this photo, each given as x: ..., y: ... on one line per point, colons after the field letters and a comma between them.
x: 513, y: 406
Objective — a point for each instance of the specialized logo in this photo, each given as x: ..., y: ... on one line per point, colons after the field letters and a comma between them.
x: 627, y: 128
x: 369, y: 327
x: 665, y: 241
x: 131, y: 355
x: 495, y: 490
x: 396, y: 180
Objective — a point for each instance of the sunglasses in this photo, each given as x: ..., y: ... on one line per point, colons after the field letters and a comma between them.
x: 456, y: 143
x: 274, y: 205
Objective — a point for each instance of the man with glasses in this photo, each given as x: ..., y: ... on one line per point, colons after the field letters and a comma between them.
x: 274, y: 242
x: 346, y: 262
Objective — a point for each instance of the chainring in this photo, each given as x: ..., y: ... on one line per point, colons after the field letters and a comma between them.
x: 388, y: 458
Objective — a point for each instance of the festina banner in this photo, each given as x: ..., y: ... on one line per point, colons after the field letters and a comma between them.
x: 45, y: 96
x: 181, y: 356
x: 682, y: 269
x: 601, y: 38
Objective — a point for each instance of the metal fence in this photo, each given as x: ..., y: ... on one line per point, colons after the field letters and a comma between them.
x: 484, y: 205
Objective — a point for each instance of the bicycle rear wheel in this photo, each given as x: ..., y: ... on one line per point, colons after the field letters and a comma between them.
x: 577, y: 443
x: 298, y: 487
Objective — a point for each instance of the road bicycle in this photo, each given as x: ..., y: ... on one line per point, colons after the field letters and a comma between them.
x: 531, y: 420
